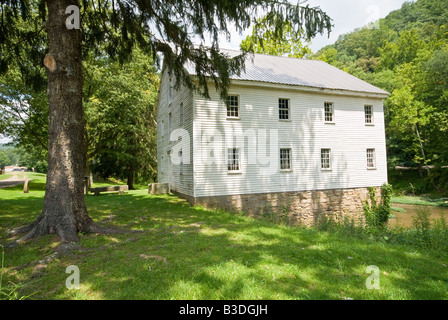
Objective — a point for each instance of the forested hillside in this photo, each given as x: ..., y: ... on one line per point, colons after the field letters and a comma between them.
x: 406, y: 54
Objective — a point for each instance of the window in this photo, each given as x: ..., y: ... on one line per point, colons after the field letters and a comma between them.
x: 283, y: 109
x: 162, y: 128
x: 181, y: 164
x: 169, y: 123
x: 325, y: 159
x: 233, y: 107
x: 233, y: 159
x: 181, y: 114
x: 368, y: 114
x: 371, y: 163
x: 170, y: 89
x: 170, y: 94
x: 329, y: 111
x: 285, y: 159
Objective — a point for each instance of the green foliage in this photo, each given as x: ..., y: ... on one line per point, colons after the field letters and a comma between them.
x: 377, y: 214
x: 264, y: 40
x: 4, y: 159
x: 167, y: 28
x: 120, y: 115
x: 439, y: 179
x: 426, y: 233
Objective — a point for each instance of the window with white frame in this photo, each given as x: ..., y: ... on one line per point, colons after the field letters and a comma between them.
x: 283, y: 109
x: 368, y: 114
x: 233, y: 107
x: 233, y: 160
x: 170, y: 89
x: 371, y: 161
x: 325, y: 159
x: 285, y: 159
x: 329, y: 111
x: 181, y: 114
x: 181, y: 164
x: 170, y: 94
x: 169, y: 123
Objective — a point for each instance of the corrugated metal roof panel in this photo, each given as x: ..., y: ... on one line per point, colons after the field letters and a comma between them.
x: 299, y: 72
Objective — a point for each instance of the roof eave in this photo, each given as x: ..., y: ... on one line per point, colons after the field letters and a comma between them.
x: 281, y: 86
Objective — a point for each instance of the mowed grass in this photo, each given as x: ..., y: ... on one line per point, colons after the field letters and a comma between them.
x: 185, y: 252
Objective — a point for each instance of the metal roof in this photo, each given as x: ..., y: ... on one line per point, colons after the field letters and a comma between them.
x: 299, y: 72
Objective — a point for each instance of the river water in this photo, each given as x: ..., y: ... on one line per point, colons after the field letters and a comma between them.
x: 405, y: 219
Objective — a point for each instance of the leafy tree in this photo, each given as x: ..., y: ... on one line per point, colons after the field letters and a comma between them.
x: 402, y: 51
x: 24, y: 113
x: 156, y: 26
x: 410, y: 117
x: 121, y: 126
x: 4, y: 159
x: 288, y: 43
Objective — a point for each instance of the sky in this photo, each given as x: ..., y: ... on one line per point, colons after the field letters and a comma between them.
x: 347, y: 15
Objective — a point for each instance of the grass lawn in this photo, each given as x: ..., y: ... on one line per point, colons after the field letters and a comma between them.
x: 185, y: 252
x: 5, y: 176
x: 421, y: 200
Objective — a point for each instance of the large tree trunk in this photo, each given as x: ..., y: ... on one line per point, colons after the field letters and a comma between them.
x: 64, y: 212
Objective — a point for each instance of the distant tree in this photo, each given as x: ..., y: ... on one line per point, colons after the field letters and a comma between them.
x: 287, y: 42
x: 410, y: 118
x: 4, y: 159
x: 120, y: 117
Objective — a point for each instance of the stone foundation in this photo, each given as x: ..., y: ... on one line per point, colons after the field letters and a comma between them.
x: 297, y: 208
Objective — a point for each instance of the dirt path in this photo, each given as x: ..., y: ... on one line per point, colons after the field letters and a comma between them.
x: 14, y: 180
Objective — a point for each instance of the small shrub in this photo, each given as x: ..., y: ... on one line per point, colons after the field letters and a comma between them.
x: 377, y: 215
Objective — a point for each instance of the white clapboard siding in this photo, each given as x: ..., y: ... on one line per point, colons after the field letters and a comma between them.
x: 305, y: 134
x: 167, y: 171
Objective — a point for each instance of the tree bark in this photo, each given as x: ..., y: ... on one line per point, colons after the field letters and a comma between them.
x: 130, y: 180
x: 64, y: 212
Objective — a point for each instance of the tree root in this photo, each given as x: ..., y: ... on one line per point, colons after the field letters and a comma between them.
x: 34, y: 230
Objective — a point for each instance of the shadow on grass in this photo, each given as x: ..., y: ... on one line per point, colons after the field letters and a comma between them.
x: 191, y: 253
